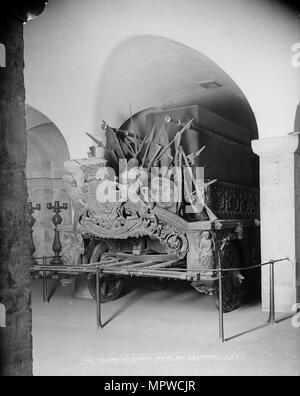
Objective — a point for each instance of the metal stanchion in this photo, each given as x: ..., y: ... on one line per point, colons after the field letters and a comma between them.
x: 57, y: 220
x: 272, y: 317
x: 221, y: 313
x: 220, y: 278
x: 98, y: 299
x: 45, y: 283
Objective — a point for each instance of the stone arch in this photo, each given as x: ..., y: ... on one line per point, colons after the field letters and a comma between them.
x: 47, y: 151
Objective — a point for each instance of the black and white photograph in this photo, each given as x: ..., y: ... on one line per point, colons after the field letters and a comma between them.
x: 149, y: 191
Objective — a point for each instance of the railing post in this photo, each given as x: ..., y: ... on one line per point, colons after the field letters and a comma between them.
x: 220, y: 278
x: 98, y: 298
x: 221, y: 313
x: 45, y: 283
x: 272, y: 318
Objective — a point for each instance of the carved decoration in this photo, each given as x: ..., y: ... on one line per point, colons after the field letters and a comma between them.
x: 202, y: 247
x: 73, y: 248
x: 206, y: 250
x: 233, y: 201
x: 233, y: 290
x: 125, y: 221
x: 117, y: 220
x: 201, y: 253
x: 222, y: 239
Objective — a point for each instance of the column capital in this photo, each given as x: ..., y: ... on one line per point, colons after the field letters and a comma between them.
x: 289, y: 144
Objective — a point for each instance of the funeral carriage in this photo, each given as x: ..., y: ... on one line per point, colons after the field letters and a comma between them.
x: 173, y: 197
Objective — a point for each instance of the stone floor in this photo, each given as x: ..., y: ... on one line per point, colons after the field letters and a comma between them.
x: 170, y: 332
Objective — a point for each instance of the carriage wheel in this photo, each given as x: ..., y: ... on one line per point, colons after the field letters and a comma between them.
x: 111, y: 287
x: 233, y: 282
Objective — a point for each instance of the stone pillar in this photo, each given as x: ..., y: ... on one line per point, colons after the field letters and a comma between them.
x: 15, y: 338
x: 280, y: 216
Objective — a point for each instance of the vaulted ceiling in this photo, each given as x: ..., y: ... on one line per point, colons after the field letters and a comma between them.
x: 149, y: 71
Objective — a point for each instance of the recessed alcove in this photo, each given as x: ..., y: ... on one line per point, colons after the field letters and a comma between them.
x: 47, y: 151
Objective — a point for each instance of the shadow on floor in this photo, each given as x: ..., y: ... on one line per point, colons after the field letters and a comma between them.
x: 138, y: 294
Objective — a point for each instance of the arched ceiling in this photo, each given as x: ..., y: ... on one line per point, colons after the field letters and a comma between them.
x: 39, y: 163
x: 149, y: 71
x: 71, y: 74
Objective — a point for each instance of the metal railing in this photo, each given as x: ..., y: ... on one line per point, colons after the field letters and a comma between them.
x: 272, y: 309
x: 97, y: 269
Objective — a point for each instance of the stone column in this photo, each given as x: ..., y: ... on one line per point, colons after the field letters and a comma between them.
x: 280, y: 216
x: 15, y: 338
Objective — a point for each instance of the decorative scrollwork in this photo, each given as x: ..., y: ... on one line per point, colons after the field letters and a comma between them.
x: 120, y: 220
x: 134, y: 226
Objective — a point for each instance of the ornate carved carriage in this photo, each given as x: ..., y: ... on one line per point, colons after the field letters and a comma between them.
x: 168, y: 223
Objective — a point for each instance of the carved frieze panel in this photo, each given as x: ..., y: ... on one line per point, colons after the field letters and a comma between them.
x: 233, y: 201
x: 124, y: 223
